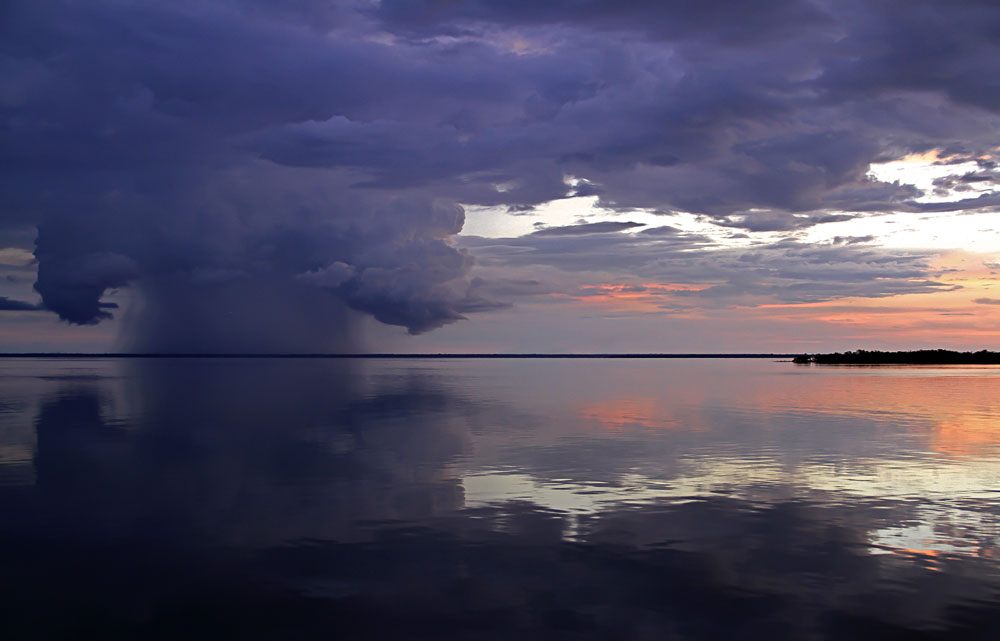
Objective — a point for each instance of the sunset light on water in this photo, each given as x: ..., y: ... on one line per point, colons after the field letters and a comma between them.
x: 496, y: 319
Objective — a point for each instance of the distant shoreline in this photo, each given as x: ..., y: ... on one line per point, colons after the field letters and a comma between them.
x: 385, y: 356
x: 917, y: 357
x: 859, y: 357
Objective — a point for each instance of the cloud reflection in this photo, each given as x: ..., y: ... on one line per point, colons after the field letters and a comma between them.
x: 387, y: 499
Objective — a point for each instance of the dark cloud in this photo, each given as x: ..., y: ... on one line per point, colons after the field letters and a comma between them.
x: 11, y: 305
x: 663, y: 230
x: 200, y: 150
x: 987, y: 202
x: 685, y: 128
x: 987, y: 301
x: 140, y: 179
x: 587, y: 228
x: 971, y: 181
x: 778, y: 221
x: 729, y: 21
x: 852, y: 240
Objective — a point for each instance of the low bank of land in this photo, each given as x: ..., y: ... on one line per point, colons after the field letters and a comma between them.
x: 919, y: 357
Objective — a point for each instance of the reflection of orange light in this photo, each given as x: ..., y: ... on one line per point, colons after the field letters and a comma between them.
x: 922, y: 552
x: 962, y: 413
x: 954, y: 415
x: 967, y: 434
x: 620, y: 412
x: 934, y: 559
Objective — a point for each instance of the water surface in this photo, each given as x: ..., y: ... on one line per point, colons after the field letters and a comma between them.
x: 497, y: 499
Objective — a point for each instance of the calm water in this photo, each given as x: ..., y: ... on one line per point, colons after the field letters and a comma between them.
x: 471, y: 499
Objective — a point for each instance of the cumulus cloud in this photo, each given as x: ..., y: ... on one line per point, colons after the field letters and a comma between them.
x: 196, y: 153
x: 126, y: 128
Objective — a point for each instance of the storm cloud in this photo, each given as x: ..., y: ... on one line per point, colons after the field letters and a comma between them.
x: 263, y: 175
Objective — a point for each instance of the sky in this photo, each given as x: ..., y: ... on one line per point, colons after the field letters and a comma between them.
x: 508, y: 176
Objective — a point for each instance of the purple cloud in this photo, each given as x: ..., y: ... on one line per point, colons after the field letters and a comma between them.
x: 223, y: 160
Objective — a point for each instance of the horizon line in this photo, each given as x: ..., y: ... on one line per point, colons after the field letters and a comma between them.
x: 392, y: 355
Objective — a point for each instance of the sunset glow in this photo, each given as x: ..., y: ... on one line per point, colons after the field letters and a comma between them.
x: 500, y: 320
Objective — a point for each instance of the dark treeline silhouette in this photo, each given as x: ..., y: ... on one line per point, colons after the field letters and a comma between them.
x: 918, y: 357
